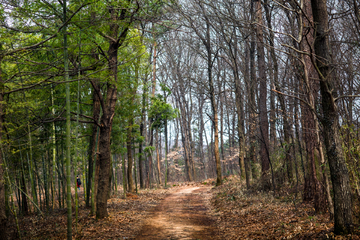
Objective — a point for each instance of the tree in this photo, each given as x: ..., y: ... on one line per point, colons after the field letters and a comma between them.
x: 121, y: 18
x: 264, y: 124
x: 204, y: 34
x: 161, y: 112
x: 330, y: 121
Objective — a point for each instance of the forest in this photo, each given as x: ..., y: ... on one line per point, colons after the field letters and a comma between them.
x: 136, y: 97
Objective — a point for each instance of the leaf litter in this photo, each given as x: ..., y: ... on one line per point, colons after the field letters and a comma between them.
x: 235, y: 213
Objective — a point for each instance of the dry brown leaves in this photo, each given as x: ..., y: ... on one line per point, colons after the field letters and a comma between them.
x: 123, y: 221
x: 239, y: 215
x: 243, y: 215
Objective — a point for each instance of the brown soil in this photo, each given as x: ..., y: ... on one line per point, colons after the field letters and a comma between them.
x: 183, y: 214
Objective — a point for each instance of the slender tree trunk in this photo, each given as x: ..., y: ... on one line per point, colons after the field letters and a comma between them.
x: 252, y: 105
x: 31, y: 170
x: 68, y: 142
x: 264, y: 124
x: 3, y: 218
x: 166, y: 152
x: 286, y: 125
x: 201, y: 131
x: 330, y: 121
x: 149, y: 159
x: 130, y: 158
x: 123, y: 175
x: 157, y: 143
x: 222, y: 125
x: 213, y: 104
x: 46, y: 186
x: 184, y: 139
x: 142, y: 125
x: 53, y: 138
x: 240, y: 110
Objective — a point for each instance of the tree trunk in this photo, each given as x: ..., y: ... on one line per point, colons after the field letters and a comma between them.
x: 142, y: 126
x: 184, y: 138
x: 213, y: 104
x: 264, y: 124
x: 108, y: 108
x: 252, y: 89
x: 68, y: 133
x: 92, y: 145
x: 201, y: 131
x: 105, y: 133
x: 149, y: 165
x: 3, y: 218
x: 104, y: 169
x: 314, y: 190
x: 130, y: 158
x: 157, y: 145
x: 286, y: 126
x: 166, y: 152
x: 330, y: 122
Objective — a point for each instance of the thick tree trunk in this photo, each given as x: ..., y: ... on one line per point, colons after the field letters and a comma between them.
x: 108, y: 107
x: 310, y: 87
x: 330, y: 122
x: 104, y: 172
x: 105, y: 130
x: 92, y: 143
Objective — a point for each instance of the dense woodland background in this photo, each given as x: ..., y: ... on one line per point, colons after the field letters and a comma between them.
x: 135, y: 94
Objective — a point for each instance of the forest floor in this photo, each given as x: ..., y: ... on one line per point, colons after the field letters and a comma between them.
x: 190, y: 211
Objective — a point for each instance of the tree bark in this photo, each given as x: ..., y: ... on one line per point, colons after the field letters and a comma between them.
x: 108, y: 105
x: 264, y: 124
x: 106, y: 123
x: 314, y: 190
x: 252, y: 89
x: 130, y: 158
x: 215, y: 118
x: 157, y: 146
x: 92, y: 145
x: 330, y: 121
x: 3, y: 218
x: 142, y: 126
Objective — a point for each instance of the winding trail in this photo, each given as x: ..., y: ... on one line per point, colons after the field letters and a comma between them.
x: 183, y: 214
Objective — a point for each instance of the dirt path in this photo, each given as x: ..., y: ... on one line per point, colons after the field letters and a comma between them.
x: 184, y: 214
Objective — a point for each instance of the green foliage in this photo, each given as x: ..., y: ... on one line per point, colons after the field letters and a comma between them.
x: 149, y: 149
x: 160, y: 112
